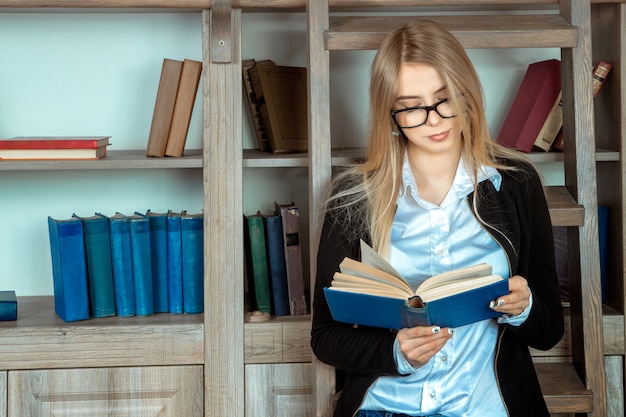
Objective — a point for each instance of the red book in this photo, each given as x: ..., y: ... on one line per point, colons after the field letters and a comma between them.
x: 532, y: 104
x: 55, y: 142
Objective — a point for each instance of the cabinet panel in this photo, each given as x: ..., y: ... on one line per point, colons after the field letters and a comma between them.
x: 3, y: 394
x: 120, y: 392
x: 279, y: 390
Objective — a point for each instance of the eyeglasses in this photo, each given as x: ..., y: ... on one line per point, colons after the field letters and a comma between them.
x: 418, y: 115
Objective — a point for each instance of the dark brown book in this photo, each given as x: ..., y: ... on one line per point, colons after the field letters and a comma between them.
x: 164, y: 107
x: 281, y: 94
x: 290, y: 218
x: 183, y: 107
x: 257, y: 122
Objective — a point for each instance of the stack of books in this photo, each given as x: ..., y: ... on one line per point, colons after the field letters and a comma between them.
x: 54, y: 147
x: 535, y: 120
x: 277, y: 97
x: 135, y: 265
x: 176, y: 95
x: 275, y: 279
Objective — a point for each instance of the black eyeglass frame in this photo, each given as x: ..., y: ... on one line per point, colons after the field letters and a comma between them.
x: 428, y: 110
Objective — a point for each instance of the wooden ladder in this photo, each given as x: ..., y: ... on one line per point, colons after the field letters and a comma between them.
x: 571, y: 387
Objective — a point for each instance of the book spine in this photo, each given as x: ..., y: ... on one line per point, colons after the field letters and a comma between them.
x: 142, y: 264
x: 99, y: 271
x: 290, y: 218
x: 183, y: 107
x: 257, y: 122
x: 256, y: 264
x: 276, y: 262
x: 192, y: 236
x: 599, y: 76
x: 164, y: 107
x: 69, y: 269
x: 122, y: 265
x: 174, y: 263
x: 159, y: 257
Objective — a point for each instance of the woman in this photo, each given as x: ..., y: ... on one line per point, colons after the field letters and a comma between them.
x: 435, y: 194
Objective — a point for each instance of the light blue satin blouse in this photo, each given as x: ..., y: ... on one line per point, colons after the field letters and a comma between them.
x: 428, y: 239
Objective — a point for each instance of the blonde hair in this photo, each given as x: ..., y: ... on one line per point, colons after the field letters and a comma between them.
x: 367, y: 193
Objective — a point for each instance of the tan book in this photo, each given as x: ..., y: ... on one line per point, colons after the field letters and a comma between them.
x: 183, y: 107
x: 552, y: 125
x: 164, y: 107
x: 281, y: 94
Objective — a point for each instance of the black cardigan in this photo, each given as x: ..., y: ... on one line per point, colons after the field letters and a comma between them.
x: 520, y: 212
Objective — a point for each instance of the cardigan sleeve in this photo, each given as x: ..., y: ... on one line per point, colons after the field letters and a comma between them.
x: 360, y: 350
x: 545, y: 324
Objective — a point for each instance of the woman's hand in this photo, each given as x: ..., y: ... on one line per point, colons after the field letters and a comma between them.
x: 419, y: 344
x: 517, y: 300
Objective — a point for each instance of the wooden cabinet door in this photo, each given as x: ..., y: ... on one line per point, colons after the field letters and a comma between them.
x: 279, y: 390
x: 3, y: 394
x: 174, y: 391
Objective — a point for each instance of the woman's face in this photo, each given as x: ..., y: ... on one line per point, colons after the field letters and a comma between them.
x: 437, y: 128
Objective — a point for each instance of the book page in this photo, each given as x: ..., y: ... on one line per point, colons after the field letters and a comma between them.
x: 456, y: 287
x: 371, y: 284
x: 370, y: 257
x: 357, y: 269
x: 473, y: 271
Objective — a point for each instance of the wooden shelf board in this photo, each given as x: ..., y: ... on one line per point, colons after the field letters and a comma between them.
x: 40, y: 339
x: 122, y: 159
x: 563, y: 389
x: 564, y: 211
x: 473, y: 31
x: 253, y: 158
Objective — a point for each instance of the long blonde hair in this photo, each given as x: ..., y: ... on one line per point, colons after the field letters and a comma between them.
x: 367, y: 193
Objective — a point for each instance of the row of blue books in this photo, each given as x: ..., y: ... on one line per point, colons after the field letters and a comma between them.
x: 127, y: 265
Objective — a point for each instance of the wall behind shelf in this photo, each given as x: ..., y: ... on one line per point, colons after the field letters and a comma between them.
x: 97, y: 73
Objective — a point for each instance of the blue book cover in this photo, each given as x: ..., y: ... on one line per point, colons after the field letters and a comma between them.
x: 142, y: 264
x: 158, y: 254
x: 8, y: 306
x: 372, y: 293
x: 99, y: 271
x: 69, y: 269
x: 122, y: 265
x: 193, y: 262
x: 276, y: 264
x: 174, y: 263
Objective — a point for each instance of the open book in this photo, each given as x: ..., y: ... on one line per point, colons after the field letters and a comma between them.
x: 373, y: 293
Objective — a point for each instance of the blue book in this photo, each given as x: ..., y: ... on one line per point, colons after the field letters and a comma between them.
x: 276, y: 264
x: 193, y: 262
x: 99, y: 271
x: 142, y: 264
x: 158, y: 254
x: 372, y: 293
x: 8, y: 306
x: 174, y: 263
x: 69, y: 269
x: 122, y: 264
